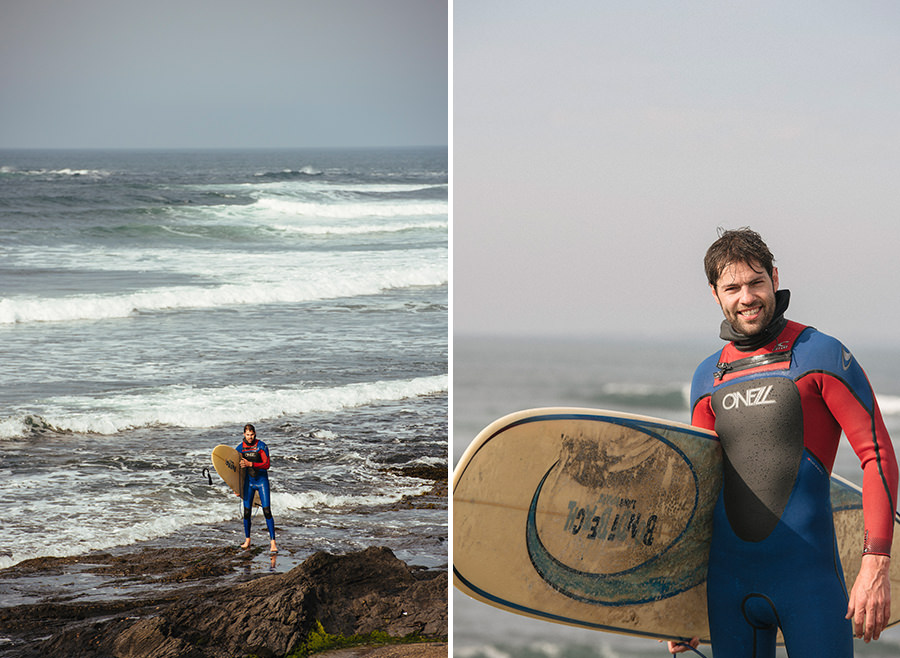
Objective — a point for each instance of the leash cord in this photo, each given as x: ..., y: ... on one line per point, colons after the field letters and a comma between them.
x: 685, y: 644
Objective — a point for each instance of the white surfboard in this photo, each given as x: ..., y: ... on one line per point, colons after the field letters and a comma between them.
x: 602, y: 520
x: 226, y: 460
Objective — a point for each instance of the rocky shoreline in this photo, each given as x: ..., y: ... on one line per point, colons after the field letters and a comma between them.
x: 188, y: 612
x: 211, y: 602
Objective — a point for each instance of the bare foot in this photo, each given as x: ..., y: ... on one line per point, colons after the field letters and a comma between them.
x: 246, y: 543
x: 273, y: 548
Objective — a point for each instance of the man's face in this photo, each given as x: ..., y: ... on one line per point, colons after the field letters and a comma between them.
x: 249, y: 437
x: 747, y: 296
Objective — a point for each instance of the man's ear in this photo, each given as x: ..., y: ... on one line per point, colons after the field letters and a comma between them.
x: 775, y: 278
x: 715, y: 296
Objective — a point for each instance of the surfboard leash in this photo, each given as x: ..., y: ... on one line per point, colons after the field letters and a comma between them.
x: 690, y: 648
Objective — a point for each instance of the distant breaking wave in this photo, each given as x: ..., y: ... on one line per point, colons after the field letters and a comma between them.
x: 290, y: 174
x: 360, y: 229
x: 659, y: 396
x: 65, y: 172
x: 346, y: 210
x: 103, y: 307
x: 188, y: 406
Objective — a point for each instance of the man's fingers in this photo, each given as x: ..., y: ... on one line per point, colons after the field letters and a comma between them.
x: 869, y: 623
x: 876, y: 622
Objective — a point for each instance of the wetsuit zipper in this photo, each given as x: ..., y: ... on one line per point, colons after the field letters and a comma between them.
x: 723, y: 368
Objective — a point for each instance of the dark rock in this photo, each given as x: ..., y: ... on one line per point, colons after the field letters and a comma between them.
x: 269, y: 616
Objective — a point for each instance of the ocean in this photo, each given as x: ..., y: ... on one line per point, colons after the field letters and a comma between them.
x: 153, y: 302
x: 496, y: 376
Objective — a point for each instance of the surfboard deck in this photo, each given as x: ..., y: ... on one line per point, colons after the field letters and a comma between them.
x: 226, y: 460
x: 602, y: 520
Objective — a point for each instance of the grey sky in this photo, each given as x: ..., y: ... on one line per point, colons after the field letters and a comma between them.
x: 598, y: 145
x: 223, y: 73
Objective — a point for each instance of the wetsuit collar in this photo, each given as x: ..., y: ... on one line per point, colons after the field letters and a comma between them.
x: 750, y: 343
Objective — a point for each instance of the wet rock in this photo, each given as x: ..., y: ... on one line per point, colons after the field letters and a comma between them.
x: 268, y: 616
x: 434, y: 498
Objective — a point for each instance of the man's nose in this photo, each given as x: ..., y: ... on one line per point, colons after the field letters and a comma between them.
x: 747, y: 295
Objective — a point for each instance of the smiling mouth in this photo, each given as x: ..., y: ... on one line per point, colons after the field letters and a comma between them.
x: 750, y: 313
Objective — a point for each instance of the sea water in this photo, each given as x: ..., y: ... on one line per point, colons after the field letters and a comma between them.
x: 496, y: 376
x: 152, y: 303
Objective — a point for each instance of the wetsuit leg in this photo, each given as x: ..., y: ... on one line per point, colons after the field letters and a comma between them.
x: 812, y: 618
x: 265, y: 501
x: 741, y: 625
x: 247, y: 500
x: 792, y: 579
x: 246, y: 521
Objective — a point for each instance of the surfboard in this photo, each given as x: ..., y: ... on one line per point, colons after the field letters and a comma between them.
x: 226, y: 460
x: 602, y: 520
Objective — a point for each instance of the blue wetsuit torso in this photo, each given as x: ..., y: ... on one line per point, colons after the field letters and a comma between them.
x: 779, y: 411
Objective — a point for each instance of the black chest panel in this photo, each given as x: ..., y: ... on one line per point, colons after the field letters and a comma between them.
x: 254, y: 457
x: 760, y: 426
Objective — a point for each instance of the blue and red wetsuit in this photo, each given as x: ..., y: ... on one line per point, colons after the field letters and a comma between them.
x: 778, y: 411
x: 256, y: 480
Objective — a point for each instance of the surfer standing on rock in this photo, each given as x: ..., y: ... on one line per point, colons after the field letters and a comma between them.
x: 255, y: 464
x: 778, y: 396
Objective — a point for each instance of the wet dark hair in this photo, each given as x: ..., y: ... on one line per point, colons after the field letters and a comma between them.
x: 248, y: 426
x: 741, y: 245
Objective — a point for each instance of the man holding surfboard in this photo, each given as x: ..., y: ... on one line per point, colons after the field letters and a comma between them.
x: 778, y: 396
x: 255, y: 480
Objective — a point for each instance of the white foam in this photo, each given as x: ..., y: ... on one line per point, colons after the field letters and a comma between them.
x: 319, y: 501
x: 193, y: 407
x: 292, y: 207
x: 360, y: 229
x: 64, y: 171
x: 285, y: 279
x: 99, y: 533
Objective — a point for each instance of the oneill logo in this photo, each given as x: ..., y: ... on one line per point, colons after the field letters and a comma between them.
x: 752, y: 397
x: 846, y: 358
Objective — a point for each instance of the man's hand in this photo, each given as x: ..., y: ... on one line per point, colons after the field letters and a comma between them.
x: 680, y: 646
x: 870, y: 598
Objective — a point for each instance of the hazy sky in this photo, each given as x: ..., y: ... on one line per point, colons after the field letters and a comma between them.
x: 598, y: 145
x: 223, y: 73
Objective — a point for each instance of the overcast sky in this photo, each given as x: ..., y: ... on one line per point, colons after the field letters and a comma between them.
x: 598, y: 146
x: 223, y: 73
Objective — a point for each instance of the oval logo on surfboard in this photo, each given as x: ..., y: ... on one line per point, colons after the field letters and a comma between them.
x: 605, y: 513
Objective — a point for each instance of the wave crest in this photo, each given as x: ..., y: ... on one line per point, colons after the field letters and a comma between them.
x: 192, y: 407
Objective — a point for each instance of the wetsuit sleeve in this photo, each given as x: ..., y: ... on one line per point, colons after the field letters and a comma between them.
x: 858, y: 414
x: 701, y: 396
x: 848, y: 398
x: 702, y: 414
x: 264, y: 456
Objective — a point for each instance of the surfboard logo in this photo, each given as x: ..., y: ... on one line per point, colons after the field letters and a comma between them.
x: 616, y: 520
x: 606, y: 549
